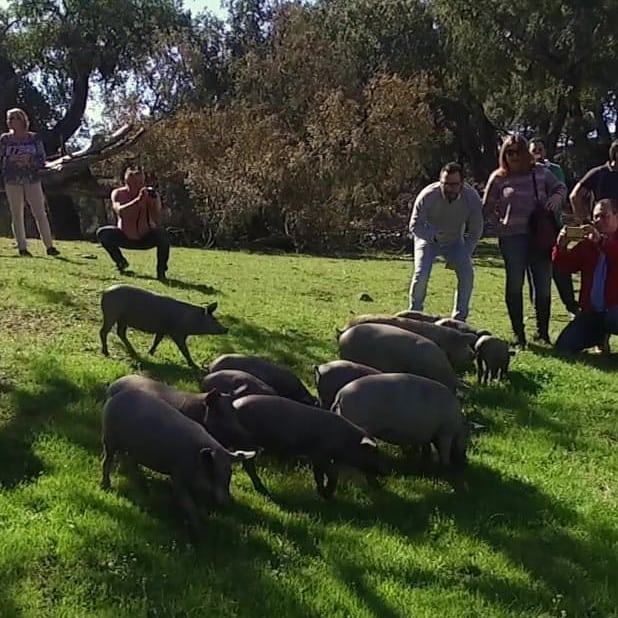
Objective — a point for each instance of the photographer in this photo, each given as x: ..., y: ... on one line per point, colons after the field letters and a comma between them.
x: 595, y: 256
x: 139, y: 217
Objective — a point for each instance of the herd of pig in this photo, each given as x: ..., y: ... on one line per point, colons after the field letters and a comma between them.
x: 396, y: 381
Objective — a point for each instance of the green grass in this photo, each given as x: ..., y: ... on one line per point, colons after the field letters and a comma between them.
x: 535, y: 535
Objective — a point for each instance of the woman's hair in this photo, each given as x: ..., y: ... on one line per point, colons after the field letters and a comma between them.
x: 21, y: 114
x: 521, y: 144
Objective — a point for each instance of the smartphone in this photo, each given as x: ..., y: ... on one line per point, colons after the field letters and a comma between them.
x: 575, y: 232
x: 152, y: 192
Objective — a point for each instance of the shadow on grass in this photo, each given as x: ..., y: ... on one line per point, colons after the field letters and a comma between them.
x: 602, y: 362
x: 51, y: 296
x: 179, y: 284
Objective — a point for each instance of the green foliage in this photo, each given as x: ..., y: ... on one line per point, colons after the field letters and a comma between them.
x: 536, y: 533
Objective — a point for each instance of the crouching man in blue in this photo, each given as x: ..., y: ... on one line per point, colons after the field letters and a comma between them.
x: 596, y: 258
x: 447, y: 220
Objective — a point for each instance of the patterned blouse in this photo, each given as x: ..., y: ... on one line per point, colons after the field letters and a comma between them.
x: 21, y: 159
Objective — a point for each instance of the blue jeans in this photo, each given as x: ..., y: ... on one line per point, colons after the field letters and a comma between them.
x: 458, y: 256
x: 519, y: 256
x: 587, y: 330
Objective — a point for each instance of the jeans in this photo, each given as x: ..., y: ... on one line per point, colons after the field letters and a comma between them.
x: 519, y: 255
x: 458, y: 256
x: 586, y: 331
x: 112, y: 238
x: 564, y: 286
x: 33, y: 194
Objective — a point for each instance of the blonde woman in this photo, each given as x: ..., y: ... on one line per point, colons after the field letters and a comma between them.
x: 22, y: 156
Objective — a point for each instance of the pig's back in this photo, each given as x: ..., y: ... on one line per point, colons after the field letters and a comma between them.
x: 153, y: 432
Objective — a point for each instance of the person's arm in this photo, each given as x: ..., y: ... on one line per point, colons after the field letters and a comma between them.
x: 474, y: 224
x: 564, y: 259
x: 581, y: 195
x: 39, y: 157
x: 120, y: 204
x: 555, y: 190
x: 491, y: 199
x: 419, y: 225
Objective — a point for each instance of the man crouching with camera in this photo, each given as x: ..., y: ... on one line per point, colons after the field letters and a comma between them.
x: 139, y: 216
x: 595, y: 256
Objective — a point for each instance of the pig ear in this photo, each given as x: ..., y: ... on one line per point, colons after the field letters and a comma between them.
x: 366, y: 441
x: 211, y: 308
x: 239, y: 390
x: 242, y: 455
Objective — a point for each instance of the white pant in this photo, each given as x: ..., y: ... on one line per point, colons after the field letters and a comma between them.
x: 33, y: 194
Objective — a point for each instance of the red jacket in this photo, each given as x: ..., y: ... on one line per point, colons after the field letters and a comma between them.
x: 583, y: 258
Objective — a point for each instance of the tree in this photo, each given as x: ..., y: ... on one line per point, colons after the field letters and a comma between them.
x: 52, y: 50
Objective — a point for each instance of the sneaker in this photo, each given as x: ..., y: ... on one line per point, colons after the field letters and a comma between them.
x: 53, y: 251
x: 542, y: 337
x: 122, y: 266
x: 25, y: 253
x: 520, y: 342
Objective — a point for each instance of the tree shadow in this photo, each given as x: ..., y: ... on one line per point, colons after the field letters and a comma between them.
x: 56, y: 297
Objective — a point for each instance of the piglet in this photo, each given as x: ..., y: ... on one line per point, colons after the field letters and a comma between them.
x: 150, y: 432
x: 493, y: 357
x: 288, y: 428
x: 331, y: 377
x: 127, y: 305
x: 281, y: 379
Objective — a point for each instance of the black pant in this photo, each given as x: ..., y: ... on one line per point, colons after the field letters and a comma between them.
x: 113, y: 238
x: 564, y: 285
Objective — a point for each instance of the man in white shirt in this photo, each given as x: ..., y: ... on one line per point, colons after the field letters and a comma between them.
x: 447, y: 220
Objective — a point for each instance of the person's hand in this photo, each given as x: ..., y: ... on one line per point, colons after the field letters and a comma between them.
x: 591, y: 233
x: 562, y: 241
x: 554, y: 203
x: 143, y: 194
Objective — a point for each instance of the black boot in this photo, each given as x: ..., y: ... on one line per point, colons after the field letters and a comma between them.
x: 543, y: 309
x: 515, y: 307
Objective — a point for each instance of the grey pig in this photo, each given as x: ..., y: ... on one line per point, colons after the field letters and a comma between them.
x: 407, y: 410
x: 236, y: 383
x: 126, y: 305
x: 421, y: 316
x: 150, y: 432
x: 331, y: 377
x: 492, y: 358
x: 457, y: 345
x: 462, y: 327
x: 392, y: 349
x: 208, y: 409
x: 281, y: 379
x: 289, y: 428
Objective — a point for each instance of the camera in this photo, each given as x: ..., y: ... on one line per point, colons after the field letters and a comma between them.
x: 152, y: 192
x: 575, y: 232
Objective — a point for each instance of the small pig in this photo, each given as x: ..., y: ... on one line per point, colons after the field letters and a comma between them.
x: 407, y: 410
x: 417, y: 315
x: 492, y: 358
x: 457, y: 345
x: 392, y: 349
x: 126, y: 305
x: 289, y: 428
x: 281, y: 379
x: 331, y: 377
x: 150, y: 432
x: 462, y: 327
x: 208, y: 409
x: 236, y: 383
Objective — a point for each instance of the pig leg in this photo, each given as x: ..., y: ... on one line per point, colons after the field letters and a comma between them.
x: 181, y: 342
x: 486, y: 375
x: 249, y: 467
x: 323, y: 468
x: 155, y: 343
x: 183, y: 497
x: 107, y: 326
x: 479, y: 369
x: 108, y: 461
x: 121, y: 329
x: 444, y: 449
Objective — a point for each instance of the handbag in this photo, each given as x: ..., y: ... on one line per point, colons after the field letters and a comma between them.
x: 542, y: 223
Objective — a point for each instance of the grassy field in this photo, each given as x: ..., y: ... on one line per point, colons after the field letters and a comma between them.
x: 536, y: 535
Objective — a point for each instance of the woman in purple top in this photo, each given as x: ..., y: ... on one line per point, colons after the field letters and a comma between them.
x: 511, y: 194
x: 21, y: 158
